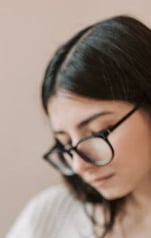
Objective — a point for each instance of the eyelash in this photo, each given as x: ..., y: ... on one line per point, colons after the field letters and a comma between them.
x: 106, y: 128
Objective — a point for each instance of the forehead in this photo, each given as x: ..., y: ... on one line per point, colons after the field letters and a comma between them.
x: 67, y: 110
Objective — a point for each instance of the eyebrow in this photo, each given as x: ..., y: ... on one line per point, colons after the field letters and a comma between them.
x: 87, y: 120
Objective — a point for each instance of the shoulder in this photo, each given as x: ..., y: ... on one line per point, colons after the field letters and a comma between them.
x: 50, y: 201
x: 53, y: 199
x: 45, y: 211
x: 54, y: 194
x: 55, y: 212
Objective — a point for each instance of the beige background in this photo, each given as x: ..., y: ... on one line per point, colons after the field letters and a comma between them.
x: 30, y: 32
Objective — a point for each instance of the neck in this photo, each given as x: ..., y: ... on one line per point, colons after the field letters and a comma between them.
x: 138, y: 203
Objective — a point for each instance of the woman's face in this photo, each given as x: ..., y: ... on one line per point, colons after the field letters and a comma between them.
x: 131, y: 166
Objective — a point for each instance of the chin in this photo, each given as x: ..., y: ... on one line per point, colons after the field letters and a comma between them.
x: 113, y: 194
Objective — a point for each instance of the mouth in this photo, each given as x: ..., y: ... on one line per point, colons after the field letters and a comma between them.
x: 101, y: 181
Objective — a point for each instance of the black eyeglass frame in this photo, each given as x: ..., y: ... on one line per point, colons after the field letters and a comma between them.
x: 100, y: 134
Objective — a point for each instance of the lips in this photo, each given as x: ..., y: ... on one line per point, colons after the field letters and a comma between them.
x: 101, y: 180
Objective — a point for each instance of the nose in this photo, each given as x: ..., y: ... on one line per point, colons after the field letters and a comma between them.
x: 79, y: 165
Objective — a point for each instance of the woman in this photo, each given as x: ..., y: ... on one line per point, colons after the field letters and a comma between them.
x: 96, y: 93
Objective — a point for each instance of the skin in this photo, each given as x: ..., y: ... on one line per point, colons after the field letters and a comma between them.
x: 131, y: 141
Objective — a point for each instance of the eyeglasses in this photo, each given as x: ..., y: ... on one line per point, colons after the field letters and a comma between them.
x: 95, y: 149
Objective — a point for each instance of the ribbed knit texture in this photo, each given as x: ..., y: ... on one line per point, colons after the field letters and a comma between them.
x: 53, y: 213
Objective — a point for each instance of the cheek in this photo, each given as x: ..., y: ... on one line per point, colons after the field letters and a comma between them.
x: 132, y: 151
x: 131, y: 164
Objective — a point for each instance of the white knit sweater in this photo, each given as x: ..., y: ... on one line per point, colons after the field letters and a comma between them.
x: 54, y: 213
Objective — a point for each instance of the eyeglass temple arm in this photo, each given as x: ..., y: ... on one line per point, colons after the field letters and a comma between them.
x: 124, y: 118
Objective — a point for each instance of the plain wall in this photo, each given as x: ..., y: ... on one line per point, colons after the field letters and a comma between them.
x: 30, y: 32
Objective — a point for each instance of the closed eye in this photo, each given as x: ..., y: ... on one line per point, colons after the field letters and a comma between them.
x: 109, y: 128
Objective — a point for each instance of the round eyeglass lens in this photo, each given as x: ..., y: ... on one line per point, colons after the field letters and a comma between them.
x: 96, y: 150
x: 61, y: 161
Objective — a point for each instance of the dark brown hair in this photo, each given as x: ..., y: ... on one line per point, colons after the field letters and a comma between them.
x: 110, y: 60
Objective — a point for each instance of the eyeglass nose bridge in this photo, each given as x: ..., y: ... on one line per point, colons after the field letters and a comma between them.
x: 79, y: 153
x: 74, y: 148
x: 70, y: 149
